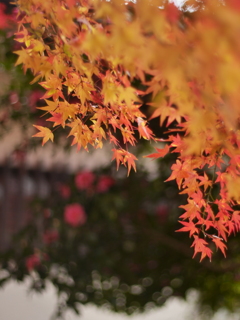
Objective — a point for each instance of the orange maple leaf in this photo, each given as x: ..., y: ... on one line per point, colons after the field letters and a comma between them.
x: 124, y: 157
x: 160, y: 152
x: 118, y: 156
x: 143, y: 130
x: 44, y: 133
x: 130, y: 160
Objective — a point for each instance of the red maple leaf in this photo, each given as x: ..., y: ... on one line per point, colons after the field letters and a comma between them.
x: 200, y: 246
x: 57, y: 118
x: 160, y: 153
x: 189, y: 227
x: 220, y: 245
x: 172, y: 12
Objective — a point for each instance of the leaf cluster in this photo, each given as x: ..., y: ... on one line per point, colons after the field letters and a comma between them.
x: 89, y: 54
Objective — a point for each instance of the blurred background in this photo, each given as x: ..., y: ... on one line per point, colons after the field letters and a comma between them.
x: 75, y: 234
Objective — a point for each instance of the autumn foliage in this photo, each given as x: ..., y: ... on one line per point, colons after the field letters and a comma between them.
x: 99, y: 61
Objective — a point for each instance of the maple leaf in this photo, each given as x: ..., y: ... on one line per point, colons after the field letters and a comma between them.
x: 130, y: 160
x: 52, y: 106
x: 143, y: 130
x: 200, y: 246
x: 177, y: 143
x: 124, y: 157
x: 165, y: 112
x: 115, y: 123
x: 236, y: 220
x: 232, y: 228
x: 160, y: 152
x: 205, y: 223
x: 220, y: 245
x: 57, y: 118
x: 68, y: 110
x: 118, y: 155
x: 178, y: 173
x: 221, y: 178
x: 191, y: 209
x: 23, y: 58
x: 205, y: 181
x: 221, y: 228
x: 189, y: 227
x: 44, y: 133
x: 128, y: 136
x: 172, y: 13
x: 112, y: 138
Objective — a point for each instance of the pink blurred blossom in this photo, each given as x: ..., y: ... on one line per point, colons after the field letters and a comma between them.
x: 105, y: 183
x: 3, y: 17
x: 74, y: 214
x: 50, y: 236
x: 13, y: 97
x: 65, y: 191
x: 32, y: 262
x: 84, y: 180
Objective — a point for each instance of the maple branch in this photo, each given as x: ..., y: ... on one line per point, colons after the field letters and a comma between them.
x: 209, y: 194
x: 179, y: 246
